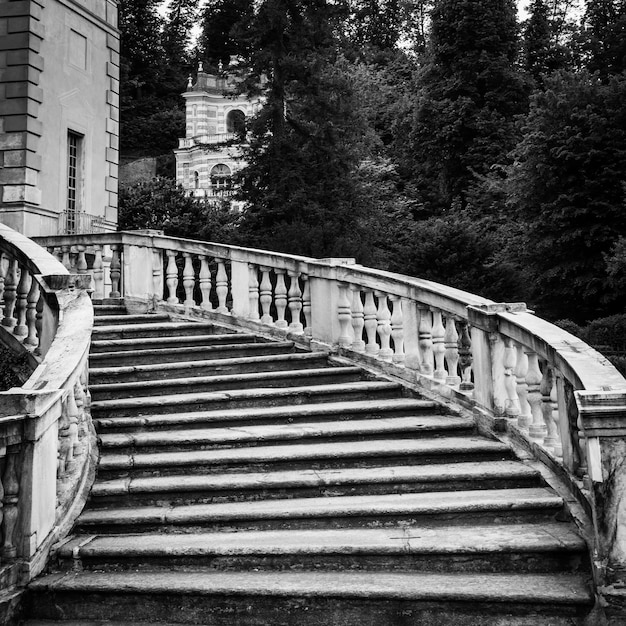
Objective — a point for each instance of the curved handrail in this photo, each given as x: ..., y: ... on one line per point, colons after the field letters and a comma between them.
x: 46, y: 434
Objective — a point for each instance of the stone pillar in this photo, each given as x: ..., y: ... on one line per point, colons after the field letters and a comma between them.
x: 603, y: 417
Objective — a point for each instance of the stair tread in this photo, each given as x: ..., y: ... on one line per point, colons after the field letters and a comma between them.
x: 278, y: 345
x: 307, y: 451
x: 130, y: 369
x: 406, y: 540
x: 237, y: 338
x: 131, y: 318
x: 291, y: 411
x: 170, y: 325
x: 500, y: 588
x: 237, y: 394
x: 290, y: 508
x: 286, y: 431
x: 245, y: 378
x: 314, y: 478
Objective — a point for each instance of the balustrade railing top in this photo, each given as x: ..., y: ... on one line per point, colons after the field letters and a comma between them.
x: 46, y: 436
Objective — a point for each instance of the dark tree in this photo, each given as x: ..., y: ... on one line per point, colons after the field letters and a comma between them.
x: 567, y: 186
x: 604, y: 36
x: 469, y: 94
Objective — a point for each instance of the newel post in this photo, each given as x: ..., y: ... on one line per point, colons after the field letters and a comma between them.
x: 603, y: 417
x: 240, y: 287
x: 325, y: 292
x: 138, y: 279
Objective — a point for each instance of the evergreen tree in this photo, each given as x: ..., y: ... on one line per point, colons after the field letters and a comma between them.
x: 567, y: 186
x: 543, y: 54
x: 469, y: 95
x: 604, y: 36
x: 219, y: 39
x: 299, y: 185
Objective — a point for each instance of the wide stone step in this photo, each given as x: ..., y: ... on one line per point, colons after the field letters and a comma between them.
x: 165, y: 329
x: 503, y: 505
x: 119, y: 310
x: 189, y: 369
x: 192, y: 352
x: 241, y: 398
x: 191, y: 438
x: 320, y: 376
x: 328, y: 411
x: 319, y: 455
x: 487, y: 548
x: 159, y: 343
x: 127, y: 318
x: 233, y: 487
x: 314, y: 598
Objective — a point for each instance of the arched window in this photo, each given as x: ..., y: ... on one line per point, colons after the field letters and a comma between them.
x: 220, y: 179
x: 236, y: 122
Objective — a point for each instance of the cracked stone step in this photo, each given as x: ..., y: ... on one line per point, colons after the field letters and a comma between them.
x: 188, y: 369
x: 144, y: 343
x: 316, y: 598
x: 340, y: 511
x: 346, y: 409
x: 417, y: 548
x: 414, y: 425
x: 424, y: 450
x: 144, y: 318
x: 182, y: 489
x: 324, y: 375
x: 134, y: 331
x: 245, y: 398
x: 139, y: 356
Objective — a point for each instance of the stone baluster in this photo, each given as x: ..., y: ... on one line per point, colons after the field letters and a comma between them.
x: 537, y: 428
x: 221, y: 286
x: 451, y: 343
x: 581, y: 448
x: 3, y: 454
x: 115, y: 272
x: 21, y: 297
x: 32, y: 299
x: 425, y: 340
x: 280, y: 298
x: 189, y: 280
x: 81, y: 260
x: 265, y: 296
x: 306, y: 305
x: 39, y: 324
x: 205, y: 281
x: 383, y: 320
x: 512, y: 404
x: 98, y: 273
x: 439, y: 347
x: 11, y: 485
x: 4, y: 266
x: 397, y: 329
x: 547, y: 383
x: 10, y: 291
x: 524, y: 419
x: 295, y: 302
x: 370, y: 323
x: 253, y: 292
x: 344, y: 315
x: 157, y: 273
x: 171, y: 277
x: 465, y: 358
x: 556, y: 418
x: 358, y: 321
x: 65, y: 258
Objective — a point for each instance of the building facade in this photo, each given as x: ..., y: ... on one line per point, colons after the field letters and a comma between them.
x: 210, y: 153
x: 59, y: 115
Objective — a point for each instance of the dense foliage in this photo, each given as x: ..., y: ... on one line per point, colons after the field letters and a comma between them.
x: 440, y: 138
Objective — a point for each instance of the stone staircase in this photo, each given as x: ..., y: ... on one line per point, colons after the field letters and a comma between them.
x: 243, y: 482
